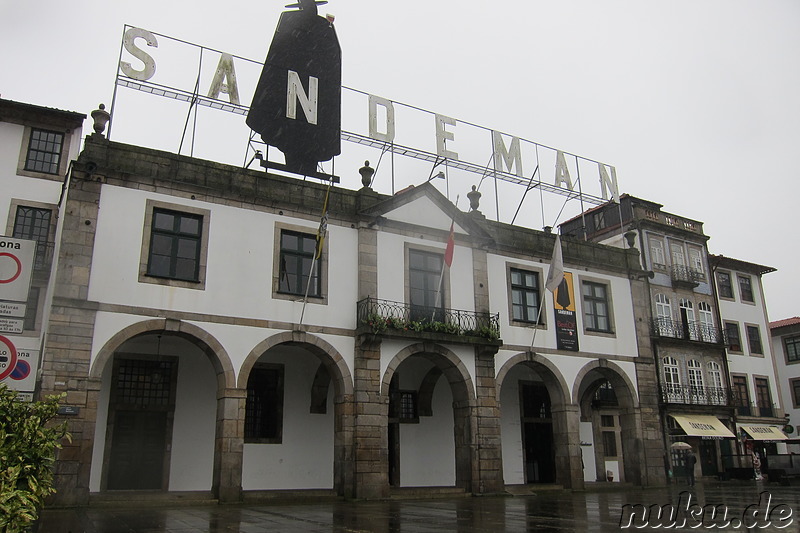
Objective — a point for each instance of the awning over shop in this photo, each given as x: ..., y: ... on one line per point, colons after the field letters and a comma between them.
x: 703, y: 426
x: 763, y: 432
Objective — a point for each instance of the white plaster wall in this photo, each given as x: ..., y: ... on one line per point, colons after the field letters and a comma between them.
x: 786, y: 374
x: 10, y: 146
x: 423, y: 212
x: 622, y: 343
x: 511, y: 431
x: 101, y: 424
x: 304, y: 458
x: 392, y: 268
x: 239, y: 269
x: 192, y: 460
x: 589, y: 461
x: 427, y: 449
x: 25, y: 188
x: 391, y: 347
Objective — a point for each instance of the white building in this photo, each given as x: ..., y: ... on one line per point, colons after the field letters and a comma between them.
x: 760, y: 417
x: 785, y: 336
x: 37, y: 145
x: 192, y: 365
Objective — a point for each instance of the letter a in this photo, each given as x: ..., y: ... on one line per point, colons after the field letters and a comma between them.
x: 225, y: 71
x: 562, y: 172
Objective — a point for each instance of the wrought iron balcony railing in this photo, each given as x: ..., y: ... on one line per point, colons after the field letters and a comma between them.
x: 748, y: 409
x: 688, y: 394
x: 686, y: 275
x: 692, y: 330
x: 385, y: 315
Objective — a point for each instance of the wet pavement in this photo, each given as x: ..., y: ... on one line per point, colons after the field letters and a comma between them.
x: 737, y: 506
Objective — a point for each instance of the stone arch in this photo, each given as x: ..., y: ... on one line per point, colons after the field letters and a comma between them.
x: 464, y: 404
x: 565, y: 416
x: 454, y: 370
x: 328, y: 355
x: 226, y: 483
x: 612, y: 372
x: 340, y: 376
x: 554, y: 381
x: 211, y: 346
x: 587, y: 381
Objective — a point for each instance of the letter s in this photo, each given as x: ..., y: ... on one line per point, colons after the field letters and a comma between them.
x: 130, y: 45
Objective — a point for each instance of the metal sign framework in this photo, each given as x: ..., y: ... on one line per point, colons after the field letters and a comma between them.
x: 194, y: 98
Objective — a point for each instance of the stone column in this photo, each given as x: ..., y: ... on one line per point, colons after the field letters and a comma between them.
x: 229, y: 445
x: 371, y: 411
x: 489, y: 449
x: 66, y: 356
x: 567, y: 442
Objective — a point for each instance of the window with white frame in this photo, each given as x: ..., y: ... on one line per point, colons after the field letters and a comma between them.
x: 678, y: 255
x: 707, y: 331
x: 715, y: 382
x: 657, y: 254
x: 672, y: 376
x: 687, y: 317
x: 696, y: 260
x: 696, y: 380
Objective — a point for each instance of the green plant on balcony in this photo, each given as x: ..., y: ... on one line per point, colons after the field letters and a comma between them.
x: 378, y: 323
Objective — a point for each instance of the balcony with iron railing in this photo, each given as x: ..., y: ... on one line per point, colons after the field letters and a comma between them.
x: 663, y: 327
x: 693, y: 395
x: 685, y: 276
x: 744, y: 408
x: 398, y: 319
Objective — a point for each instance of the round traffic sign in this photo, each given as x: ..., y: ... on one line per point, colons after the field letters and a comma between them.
x: 15, y: 259
x: 8, y: 357
x: 21, y: 371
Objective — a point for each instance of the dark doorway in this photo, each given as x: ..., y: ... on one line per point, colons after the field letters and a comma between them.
x: 708, y: 458
x: 537, y: 433
x: 140, y: 423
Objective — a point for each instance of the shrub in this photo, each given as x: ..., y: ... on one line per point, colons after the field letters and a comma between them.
x: 27, y: 454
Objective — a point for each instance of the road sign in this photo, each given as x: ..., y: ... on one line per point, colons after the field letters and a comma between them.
x: 12, y: 309
x: 20, y: 373
x: 11, y: 325
x: 16, y: 267
x: 8, y: 357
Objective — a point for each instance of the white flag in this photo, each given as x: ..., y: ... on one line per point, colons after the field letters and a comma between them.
x: 556, y: 273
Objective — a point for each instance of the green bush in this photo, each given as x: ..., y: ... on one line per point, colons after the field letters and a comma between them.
x: 27, y: 454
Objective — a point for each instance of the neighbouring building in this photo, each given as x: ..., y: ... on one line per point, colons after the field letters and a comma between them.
x: 683, y: 313
x: 210, y: 345
x: 37, y: 145
x: 760, y: 417
x: 785, y: 335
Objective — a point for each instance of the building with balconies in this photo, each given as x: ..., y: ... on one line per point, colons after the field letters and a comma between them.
x: 215, y: 343
x: 687, y: 342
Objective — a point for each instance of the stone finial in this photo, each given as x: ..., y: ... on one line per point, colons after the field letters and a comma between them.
x: 630, y: 237
x: 101, y: 118
x: 366, y: 174
x: 474, y: 199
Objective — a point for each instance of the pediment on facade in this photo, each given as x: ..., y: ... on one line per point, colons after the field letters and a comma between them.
x: 424, y: 206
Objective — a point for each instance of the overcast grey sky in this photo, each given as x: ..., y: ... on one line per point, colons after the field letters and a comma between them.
x: 696, y: 103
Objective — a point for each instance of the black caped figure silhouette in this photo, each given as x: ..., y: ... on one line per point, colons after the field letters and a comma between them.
x: 304, y: 50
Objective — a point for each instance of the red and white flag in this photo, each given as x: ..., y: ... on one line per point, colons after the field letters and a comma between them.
x: 451, y: 245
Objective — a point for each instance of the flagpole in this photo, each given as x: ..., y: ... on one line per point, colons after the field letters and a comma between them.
x: 555, y: 275
x: 323, y: 227
x: 444, y: 264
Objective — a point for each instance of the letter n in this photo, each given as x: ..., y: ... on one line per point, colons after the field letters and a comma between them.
x: 608, y: 183
x: 308, y: 102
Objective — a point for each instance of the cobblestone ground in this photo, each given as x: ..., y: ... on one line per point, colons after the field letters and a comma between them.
x: 738, y: 506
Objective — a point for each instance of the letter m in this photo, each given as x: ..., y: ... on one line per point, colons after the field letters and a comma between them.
x: 308, y: 102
